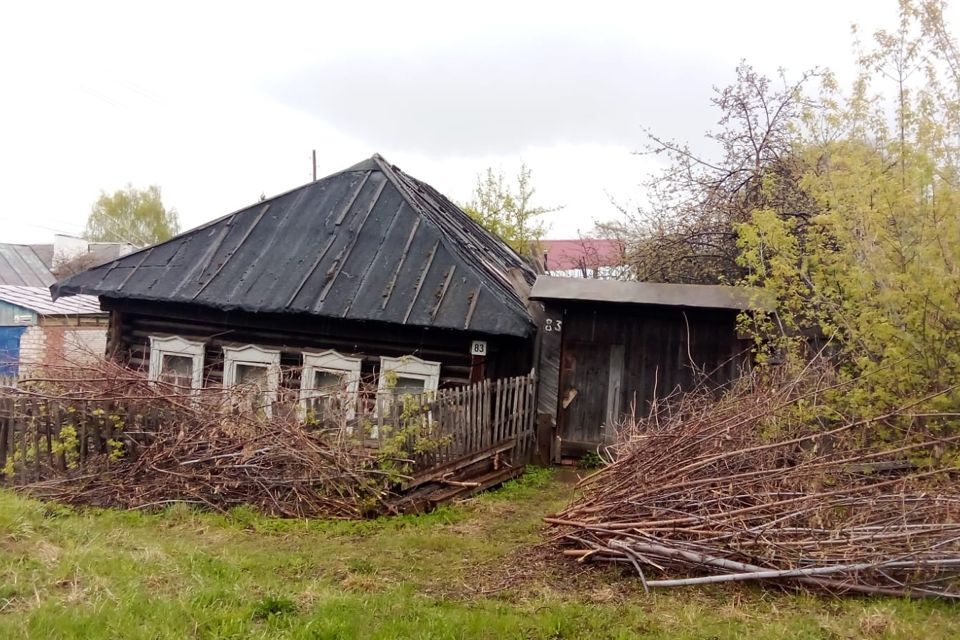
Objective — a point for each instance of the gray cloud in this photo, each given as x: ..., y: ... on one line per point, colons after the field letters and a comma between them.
x: 498, y: 97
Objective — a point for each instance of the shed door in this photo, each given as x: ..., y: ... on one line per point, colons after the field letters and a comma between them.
x: 10, y: 350
x: 591, y: 381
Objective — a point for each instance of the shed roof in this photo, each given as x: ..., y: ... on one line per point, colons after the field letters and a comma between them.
x: 21, y: 266
x: 38, y: 299
x: 368, y: 243
x: 672, y: 295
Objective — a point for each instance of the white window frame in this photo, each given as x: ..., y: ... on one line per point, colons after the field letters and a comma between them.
x: 409, y: 367
x: 256, y: 356
x: 176, y: 346
x: 330, y: 361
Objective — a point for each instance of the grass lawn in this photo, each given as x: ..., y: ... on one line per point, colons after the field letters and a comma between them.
x: 450, y: 574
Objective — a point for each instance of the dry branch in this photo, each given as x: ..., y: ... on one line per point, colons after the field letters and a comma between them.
x: 208, y: 448
x: 745, y: 488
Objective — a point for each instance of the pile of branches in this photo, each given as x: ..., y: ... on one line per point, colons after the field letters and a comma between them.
x: 207, y: 449
x: 752, y: 488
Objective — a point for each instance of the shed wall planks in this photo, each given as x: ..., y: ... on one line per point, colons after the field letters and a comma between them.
x: 610, y: 359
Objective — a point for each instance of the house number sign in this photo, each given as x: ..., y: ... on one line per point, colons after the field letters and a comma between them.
x: 553, y: 325
x: 478, y: 348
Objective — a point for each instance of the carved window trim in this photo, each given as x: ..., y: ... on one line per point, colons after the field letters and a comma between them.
x: 161, y: 346
x: 252, y: 355
x: 332, y: 362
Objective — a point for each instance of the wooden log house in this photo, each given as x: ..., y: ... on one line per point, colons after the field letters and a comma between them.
x: 365, y: 271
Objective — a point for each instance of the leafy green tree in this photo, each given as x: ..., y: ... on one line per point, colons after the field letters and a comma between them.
x: 877, y: 269
x: 131, y: 215
x: 507, y: 210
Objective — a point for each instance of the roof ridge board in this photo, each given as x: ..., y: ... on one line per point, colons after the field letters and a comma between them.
x: 421, y: 279
x: 509, y: 295
x: 392, y: 282
x: 492, y: 243
x: 331, y: 234
x: 497, y: 242
x: 250, y: 277
x: 474, y: 253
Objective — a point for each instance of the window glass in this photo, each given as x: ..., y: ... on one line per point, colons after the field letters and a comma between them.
x: 407, y: 385
x: 252, y: 375
x: 177, y: 370
x: 329, y: 382
x: 328, y: 396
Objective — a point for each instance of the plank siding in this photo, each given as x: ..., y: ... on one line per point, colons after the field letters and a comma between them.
x: 651, y: 350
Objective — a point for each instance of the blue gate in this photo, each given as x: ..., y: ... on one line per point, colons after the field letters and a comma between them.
x: 10, y: 349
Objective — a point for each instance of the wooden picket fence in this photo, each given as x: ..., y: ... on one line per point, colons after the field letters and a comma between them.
x: 461, y: 422
x: 492, y: 419
x: 40, y: 437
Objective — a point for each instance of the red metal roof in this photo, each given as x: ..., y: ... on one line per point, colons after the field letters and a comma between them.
x: 563, y: 255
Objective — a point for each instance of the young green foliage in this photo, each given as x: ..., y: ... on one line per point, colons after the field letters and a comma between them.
x: 878, y: 268
x: 131, y: 215
x: 507, y: 210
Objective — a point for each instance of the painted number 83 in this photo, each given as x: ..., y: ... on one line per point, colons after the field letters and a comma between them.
x: 553, y: 325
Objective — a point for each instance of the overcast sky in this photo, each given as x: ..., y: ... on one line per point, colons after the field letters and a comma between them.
x: 220, y: 102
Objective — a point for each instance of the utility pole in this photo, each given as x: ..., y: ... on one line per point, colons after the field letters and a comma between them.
x: 314, y: 165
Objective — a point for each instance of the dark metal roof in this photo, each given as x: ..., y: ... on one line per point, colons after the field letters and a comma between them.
x: 20, y: 266
x: 367, y: 243
x: 672, y: 295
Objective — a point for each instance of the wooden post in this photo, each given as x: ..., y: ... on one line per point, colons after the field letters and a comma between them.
x: 486, y: 413
x: 61, y: 459
x: 37, y: 422
x: 530, y: 417
x: 24, y: 435
x: 48, y: 431
x: 81, y: 416
x: 461, y: 423
x: 4, y: 427
x: 515, y: 414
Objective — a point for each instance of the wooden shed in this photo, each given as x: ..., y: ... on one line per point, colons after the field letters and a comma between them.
x: 365, y: 271
x: 608, y: 348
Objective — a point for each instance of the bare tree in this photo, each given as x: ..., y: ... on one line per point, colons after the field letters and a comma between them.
x: 687, y: 232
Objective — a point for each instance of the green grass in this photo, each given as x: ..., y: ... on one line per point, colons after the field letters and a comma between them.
x: 449, y: 574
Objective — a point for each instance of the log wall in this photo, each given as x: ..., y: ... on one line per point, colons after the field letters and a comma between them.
x: 133, y: 324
